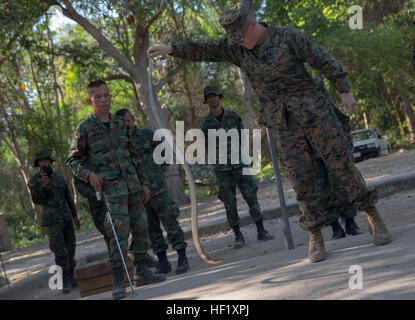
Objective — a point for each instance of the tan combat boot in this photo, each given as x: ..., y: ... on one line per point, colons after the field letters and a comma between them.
x: 380, y: 233
x: 316, y: 250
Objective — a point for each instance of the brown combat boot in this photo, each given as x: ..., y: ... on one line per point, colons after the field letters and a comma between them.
x: 316, y: 250
x: 380, y: 233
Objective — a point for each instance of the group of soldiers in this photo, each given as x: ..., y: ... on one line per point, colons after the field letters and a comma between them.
x: 112, y: 159
x: 114, y: 169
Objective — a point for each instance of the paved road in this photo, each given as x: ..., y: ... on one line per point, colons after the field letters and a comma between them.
x: 388, y: 272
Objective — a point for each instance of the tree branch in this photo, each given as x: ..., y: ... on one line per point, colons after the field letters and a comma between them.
x: 154, y: 18
x: 120, y: 77
x: 164, y: 80
x: 104, y: 43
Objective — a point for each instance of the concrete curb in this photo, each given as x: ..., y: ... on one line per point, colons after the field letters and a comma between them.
x: 385, y: 187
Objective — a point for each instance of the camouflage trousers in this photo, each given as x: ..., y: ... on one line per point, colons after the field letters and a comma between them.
x: 227, y: 182
x: 62, y: 243
x: 128, y: 214
x: 324, y: 138
x: 162, y: 209
x: 98, y: 213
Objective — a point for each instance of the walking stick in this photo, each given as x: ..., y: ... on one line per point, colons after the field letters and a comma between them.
x: 118, y: 245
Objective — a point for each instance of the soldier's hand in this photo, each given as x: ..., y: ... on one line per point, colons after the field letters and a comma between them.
x: 45, y: 180
x: 96, y: 181
x: 348, y: 102
x: 145, y: 193
x: 155, y: 51
x: 77, y: 223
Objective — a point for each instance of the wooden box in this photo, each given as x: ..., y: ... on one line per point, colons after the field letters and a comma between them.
x: 96, y: 277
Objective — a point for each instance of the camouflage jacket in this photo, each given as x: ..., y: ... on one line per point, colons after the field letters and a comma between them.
x: 230, y: 120
x: 55, y: 199
x: 277, y: 72
x: 108, y: 153
x: 144, y: 144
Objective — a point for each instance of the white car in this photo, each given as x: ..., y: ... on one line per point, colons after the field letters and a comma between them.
x: 369, y: 143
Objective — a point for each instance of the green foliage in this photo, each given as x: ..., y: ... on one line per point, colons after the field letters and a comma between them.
x: 202, y: 192
x: 25, y: 233
x: 265, y: 173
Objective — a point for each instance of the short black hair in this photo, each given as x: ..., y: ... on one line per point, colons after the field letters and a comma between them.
x: 122, y: 112
x: 96, y: 84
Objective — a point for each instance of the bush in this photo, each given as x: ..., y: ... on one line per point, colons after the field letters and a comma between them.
x: 202, y: 192
x: 265, y: 173
x: 25, y: 234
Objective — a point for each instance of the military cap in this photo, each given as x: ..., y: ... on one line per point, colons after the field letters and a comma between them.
x: 211, y: 89
x: 234, y: 21
x: 42, y: 154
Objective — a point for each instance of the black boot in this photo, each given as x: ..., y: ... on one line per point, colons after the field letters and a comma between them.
x: 118, y: 288
x: 150, y: 261
x: 163, y: 265
x: 338, y: 231
x: 74, y: 282
x: 239, y: 238
x: 143, y: 276
x: 182, y: 264
x: 66, y: 278
x: 262, y: 233
x: 352, y: 227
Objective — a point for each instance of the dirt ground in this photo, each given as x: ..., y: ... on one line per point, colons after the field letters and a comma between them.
x: 396, y: 209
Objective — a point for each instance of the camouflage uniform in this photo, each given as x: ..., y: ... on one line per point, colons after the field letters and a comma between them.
x: 230, y: 175
x: 58, y: 211
x: 96, y: 207
x: 160, y: 208
x: 294, y: 107
x: 109, y: 153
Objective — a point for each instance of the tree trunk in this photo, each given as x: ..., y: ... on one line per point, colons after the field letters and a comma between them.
x: 57, y: 105
x: 410, y: 117
x: 366, y: 120
x: 400, y: 117
x: 247, y: 89
x: 407, y: 107
x: 24, y: 171
x: 173, y: 178
x: 189, y: 95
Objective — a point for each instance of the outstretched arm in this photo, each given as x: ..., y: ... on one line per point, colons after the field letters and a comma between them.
x: 214, y: 51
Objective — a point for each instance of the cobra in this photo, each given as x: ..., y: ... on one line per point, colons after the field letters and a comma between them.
x: 189, y: 175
